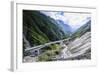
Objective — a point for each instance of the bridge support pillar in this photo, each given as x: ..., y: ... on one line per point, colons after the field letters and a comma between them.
x: 61, y: 43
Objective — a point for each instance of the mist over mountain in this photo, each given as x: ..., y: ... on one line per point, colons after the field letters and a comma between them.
x: 84, y: 22
x: 72, y: 21
x: 82, y: 30
x: 65, y: 27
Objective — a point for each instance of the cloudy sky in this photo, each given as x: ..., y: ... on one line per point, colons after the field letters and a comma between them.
x: 75, y: 20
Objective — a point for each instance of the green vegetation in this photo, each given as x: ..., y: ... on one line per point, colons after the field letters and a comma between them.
x: 39, y: 29
x: 52, y: 51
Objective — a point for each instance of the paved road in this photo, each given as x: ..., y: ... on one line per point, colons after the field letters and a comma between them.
x: 46, y: 44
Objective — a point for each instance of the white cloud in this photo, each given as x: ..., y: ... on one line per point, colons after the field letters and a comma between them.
x: 75, y: 20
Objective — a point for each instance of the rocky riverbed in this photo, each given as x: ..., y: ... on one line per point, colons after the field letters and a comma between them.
x: 80, y: 48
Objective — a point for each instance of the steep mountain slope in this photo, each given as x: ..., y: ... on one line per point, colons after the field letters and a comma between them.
x: 65, y: 27
x: 82, y: 30
x: 39, y: 29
